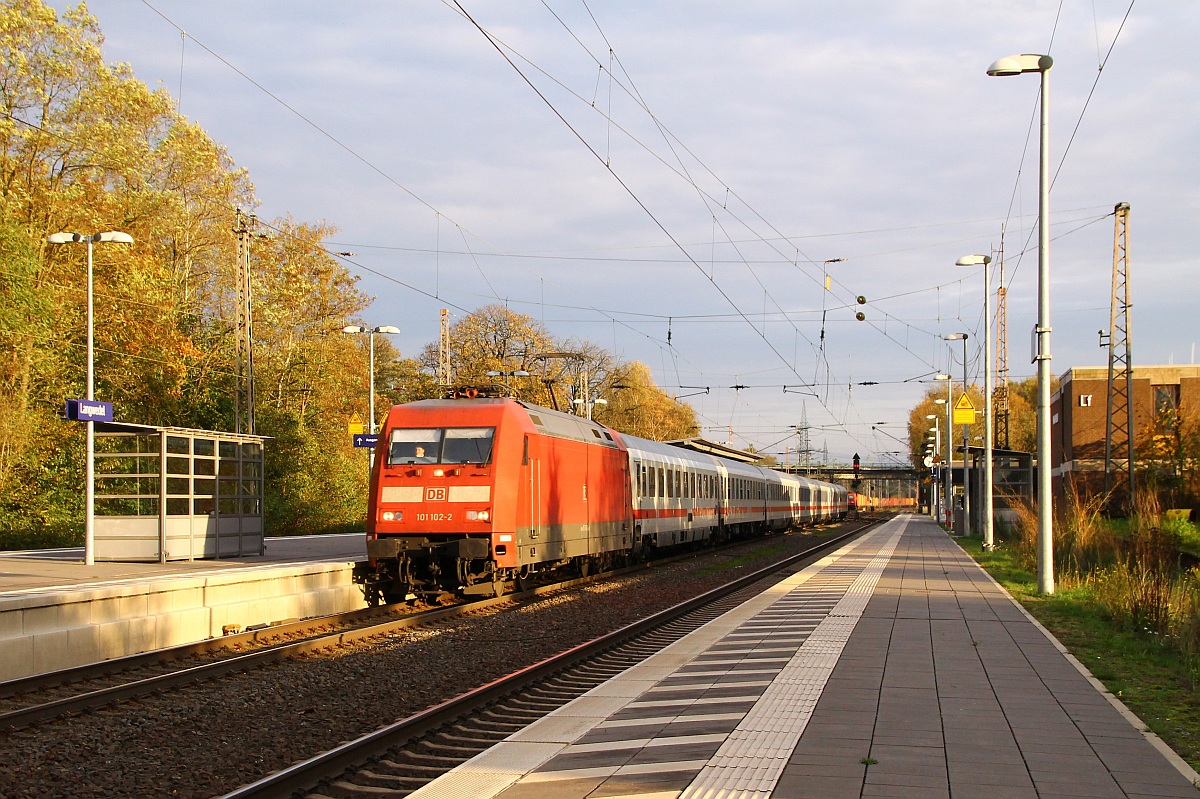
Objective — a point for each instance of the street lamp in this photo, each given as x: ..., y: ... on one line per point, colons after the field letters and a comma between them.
x: 985, y: 261
x: 948, y: 495
x: 966, y: 443
x: 89, y: 521
x: 371, y: 331
x: 936, y: 432
x: 1017, y: 65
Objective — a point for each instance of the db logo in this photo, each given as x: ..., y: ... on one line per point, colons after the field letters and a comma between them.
x: 435, y: 494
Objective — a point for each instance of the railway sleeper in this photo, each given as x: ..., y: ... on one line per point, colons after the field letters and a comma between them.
x: 497, y: 728
x: 493, y: 721
x: 451, y: 750
x: 367, y: 778
x: 418, y: 772
x: 532, y: 711
x: 472, y: 735
x: 412, y: 761
x: 406, y: 758
x: 350, y: 789
x: 555, y: 691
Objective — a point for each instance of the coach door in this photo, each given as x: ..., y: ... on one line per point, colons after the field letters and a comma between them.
x: 722, y: 499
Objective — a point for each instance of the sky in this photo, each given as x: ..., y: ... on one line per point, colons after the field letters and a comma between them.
x: 676, y: 181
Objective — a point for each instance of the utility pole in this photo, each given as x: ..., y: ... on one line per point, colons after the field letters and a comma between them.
x: 1118, y: 426
x: 444, y: 374
x: 802, y: 443
x: 1000, y: 393
x: 244, y: 346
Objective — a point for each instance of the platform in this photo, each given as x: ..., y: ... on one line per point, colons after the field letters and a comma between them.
x: 57, y: 612
x: 894, y: 667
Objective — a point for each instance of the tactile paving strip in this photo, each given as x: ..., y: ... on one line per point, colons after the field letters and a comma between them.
x: 750, y: 761
x: 721, y: 708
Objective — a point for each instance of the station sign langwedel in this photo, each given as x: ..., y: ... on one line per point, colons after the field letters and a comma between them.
x: 964, y: 411
x: 85, y: 410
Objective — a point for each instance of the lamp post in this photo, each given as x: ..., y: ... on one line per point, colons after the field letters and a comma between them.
x: 1017, y: 65
x: 966, y: 443
x: 371, y: 331
x: 937, y: 447
x: 948, y: 494
x: 89, y: 521
x: 988, y: 480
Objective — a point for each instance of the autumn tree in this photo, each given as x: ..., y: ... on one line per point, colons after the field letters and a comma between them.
x: 637, y: 406
x: 497, y: 339
x: 1022, y: 418
x: 86, y: 147
x: 568, y: 374
x: 933, y: 404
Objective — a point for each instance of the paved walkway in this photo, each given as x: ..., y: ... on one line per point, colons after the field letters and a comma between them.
x: 892, y: 668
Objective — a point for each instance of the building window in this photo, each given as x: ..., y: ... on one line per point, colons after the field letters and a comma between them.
x: 1166, y: 399
x: 1085, y: 400
x: 1166, y: 406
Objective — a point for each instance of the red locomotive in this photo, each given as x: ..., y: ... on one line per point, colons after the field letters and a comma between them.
x: 475, y: 493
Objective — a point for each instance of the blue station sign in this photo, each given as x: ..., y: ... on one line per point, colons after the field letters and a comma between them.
x: 364, y: 440
x: 82, y: 410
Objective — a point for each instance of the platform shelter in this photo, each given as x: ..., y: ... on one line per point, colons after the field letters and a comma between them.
x: 172, y: 493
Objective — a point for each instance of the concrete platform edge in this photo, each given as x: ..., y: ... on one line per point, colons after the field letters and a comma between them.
x: 59, y: 627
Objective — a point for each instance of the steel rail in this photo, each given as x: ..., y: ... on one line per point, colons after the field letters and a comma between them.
x: 93, y: 700
x: 303, y: 776
x: 90, y: 700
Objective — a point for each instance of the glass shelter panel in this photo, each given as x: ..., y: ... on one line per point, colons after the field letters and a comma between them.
x: 173, y: 494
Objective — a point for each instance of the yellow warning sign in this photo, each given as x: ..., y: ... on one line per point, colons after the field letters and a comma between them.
x: 356, y: 425
x: 964, y: 411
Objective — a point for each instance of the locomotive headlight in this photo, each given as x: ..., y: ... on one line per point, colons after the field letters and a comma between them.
x: 478, y: 515
x: 392, y: 516
x: 439, y: 472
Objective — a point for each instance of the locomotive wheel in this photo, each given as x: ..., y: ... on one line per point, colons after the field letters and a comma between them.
x: 585, y: 566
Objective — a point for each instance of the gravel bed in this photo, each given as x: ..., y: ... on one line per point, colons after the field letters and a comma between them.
x: 208, y: 739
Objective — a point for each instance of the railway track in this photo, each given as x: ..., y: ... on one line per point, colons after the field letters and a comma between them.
x: 42, y: 698
x: 84, y: 688
x: 399, y: 758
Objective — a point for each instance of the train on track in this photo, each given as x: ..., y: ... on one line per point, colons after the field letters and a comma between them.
x: 480, y: 493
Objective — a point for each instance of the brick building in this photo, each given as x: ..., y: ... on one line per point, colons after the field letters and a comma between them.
x: 1078, y: 414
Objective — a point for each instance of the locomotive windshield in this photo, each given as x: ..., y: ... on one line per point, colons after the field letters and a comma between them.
x: 441, y: 445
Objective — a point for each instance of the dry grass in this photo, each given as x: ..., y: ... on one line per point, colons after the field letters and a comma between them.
x: 1133, y: 571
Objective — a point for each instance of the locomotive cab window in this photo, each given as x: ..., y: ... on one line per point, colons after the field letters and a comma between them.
x: 441, y: 445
